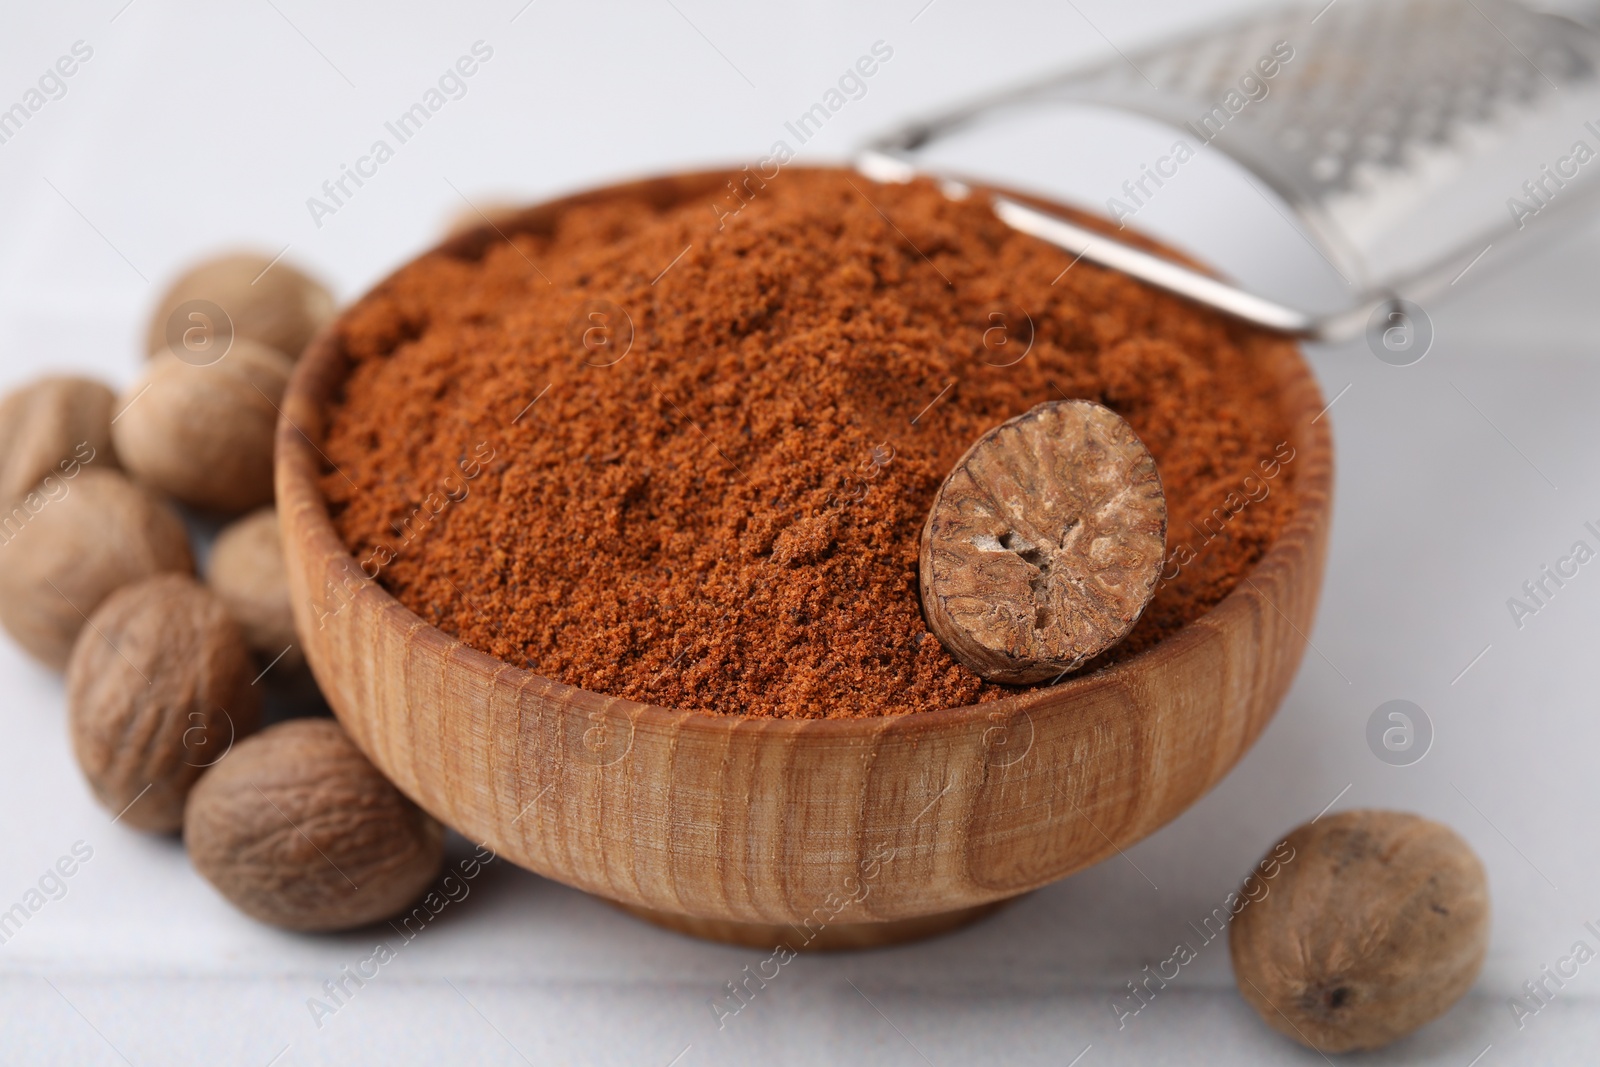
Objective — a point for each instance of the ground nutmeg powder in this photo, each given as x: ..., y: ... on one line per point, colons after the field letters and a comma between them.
x: 683, y: 456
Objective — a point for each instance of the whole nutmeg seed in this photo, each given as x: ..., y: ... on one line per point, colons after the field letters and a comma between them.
x: 50, y: 428
x: 248, y: 572
x: 99, y: 533
x: 204, y: 434
x: 1044, y: 545
x: 297, y: 829
x: 240, y: 295
x: 1377, y: 925
x: 158, y: 689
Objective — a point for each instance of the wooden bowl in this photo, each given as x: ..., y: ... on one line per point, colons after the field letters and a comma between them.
x: 821, y: 833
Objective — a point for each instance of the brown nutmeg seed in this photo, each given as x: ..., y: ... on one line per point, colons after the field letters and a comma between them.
x: 247, y: 571
x: 241, y: 295
x: 158, y: 689
x: 297, y: 829
x: 50, y: 428
x: 204, y: 434
x: 1377, y: 925
x: 1044, y: 544
x: 99, y: 533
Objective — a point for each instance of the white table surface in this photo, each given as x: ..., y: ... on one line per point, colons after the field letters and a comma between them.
x: 199, y: 125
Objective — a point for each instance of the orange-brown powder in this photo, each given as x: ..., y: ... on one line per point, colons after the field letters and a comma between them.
x: 726, y: 517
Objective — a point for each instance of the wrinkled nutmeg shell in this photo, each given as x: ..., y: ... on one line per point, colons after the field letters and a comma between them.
x: 248, y: 572
x: 204, y: 434
x: 158, y: 689
x: 271, y: 303
x: 99, y: 533
x: 298, y: 829
x: 1378, y: 924
x: 1044, y: 544
x: 51, y: 427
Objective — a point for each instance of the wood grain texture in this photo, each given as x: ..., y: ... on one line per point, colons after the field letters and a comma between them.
x: 747, y: 820
x: 815, y: 935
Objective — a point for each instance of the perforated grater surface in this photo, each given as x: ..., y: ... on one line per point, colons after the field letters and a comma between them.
x: 1409, y: 138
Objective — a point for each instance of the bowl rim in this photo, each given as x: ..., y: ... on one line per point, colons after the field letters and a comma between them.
x: 322, y: 370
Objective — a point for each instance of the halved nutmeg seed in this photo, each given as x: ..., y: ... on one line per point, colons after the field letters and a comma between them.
x: 1045, y: 543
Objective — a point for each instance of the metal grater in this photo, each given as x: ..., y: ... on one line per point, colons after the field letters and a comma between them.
x: 1401, y: 136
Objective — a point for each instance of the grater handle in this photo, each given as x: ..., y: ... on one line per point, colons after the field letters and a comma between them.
x: 1164, y: 274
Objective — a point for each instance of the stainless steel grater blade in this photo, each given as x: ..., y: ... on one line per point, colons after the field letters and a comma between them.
x: 1407, y: 138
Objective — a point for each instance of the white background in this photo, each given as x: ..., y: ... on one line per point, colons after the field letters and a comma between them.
x: 198, y: 125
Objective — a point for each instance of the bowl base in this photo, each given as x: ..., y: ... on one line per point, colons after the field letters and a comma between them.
x: 835, y: 937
